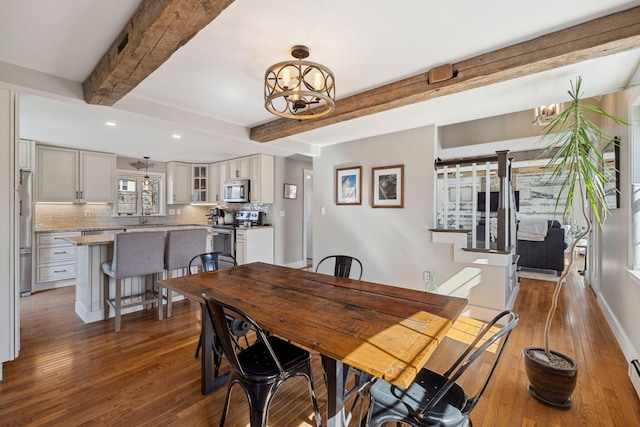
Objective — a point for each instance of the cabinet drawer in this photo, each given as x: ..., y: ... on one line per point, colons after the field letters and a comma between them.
x: 55, y: 238
x: 241, y: 234
x: 53, y: 272
x: 56, y: 253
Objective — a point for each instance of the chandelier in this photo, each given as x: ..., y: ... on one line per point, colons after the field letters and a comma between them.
x: 545, y: 113
x: 299, y: 89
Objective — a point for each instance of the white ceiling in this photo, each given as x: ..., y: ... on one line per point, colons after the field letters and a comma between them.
x: 210, y: 91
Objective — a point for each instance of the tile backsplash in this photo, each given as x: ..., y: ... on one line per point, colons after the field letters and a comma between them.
x: 62, y: 216
x: 73, y: 215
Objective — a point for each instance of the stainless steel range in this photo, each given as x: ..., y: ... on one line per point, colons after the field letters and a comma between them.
x: 225, y: 240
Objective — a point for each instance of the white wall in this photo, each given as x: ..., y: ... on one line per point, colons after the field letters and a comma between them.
x: 619, y: 293
x: 9, y: 309
x: 394, y: 245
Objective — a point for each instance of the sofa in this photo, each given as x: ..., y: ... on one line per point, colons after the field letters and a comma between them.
x: 547, y: 255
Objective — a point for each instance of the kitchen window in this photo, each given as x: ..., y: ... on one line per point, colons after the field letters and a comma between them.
x: 138, y: 196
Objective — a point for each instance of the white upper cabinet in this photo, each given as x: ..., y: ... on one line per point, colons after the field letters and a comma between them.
x: 200, y: 184
x: 66, y: 175
x: 215, y: 188
x: 262, y: 183
x: 97, y: 177
x: 239, y: 168
x: 179, y: 183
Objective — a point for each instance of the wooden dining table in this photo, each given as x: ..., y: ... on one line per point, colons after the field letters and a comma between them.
x: 386, y: 331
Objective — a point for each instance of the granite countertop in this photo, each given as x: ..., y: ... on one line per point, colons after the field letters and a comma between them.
x: 112, y: 227
x: 97, y: 239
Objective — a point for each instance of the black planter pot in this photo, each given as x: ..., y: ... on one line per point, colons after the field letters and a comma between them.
x: 549, y: 384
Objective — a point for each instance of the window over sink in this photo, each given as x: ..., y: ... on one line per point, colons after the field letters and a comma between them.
x: 138, y: 196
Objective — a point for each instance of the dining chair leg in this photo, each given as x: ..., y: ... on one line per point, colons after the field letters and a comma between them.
x: 259, y: 399
x: 198, y: 347
x: 169, y: 300
x: 105, y: 297
x: 160, y: 305
x: 118, y: 303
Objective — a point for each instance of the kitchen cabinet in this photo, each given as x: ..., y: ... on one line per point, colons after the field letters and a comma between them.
x: 215, y: 186
x: 262, y: 178
x: 178, y: 183
x: 241, y: 246
x: 200, y: 183
x: 239, y: 168
x: 254, y: 244
x: 66, y: 175
x: 56, y: 263
x: 26, y: 154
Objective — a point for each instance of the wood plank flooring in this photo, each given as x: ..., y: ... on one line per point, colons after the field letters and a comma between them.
x: 71, y: 374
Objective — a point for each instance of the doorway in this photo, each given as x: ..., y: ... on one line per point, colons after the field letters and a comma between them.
x: 307, y: 232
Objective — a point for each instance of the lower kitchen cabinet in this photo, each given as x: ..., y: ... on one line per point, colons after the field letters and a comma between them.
x: 56, y: 261
x: 254, y: 244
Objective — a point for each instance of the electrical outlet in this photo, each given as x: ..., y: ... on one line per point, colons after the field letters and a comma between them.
x: 178, y: 211
x: 426, y: 276
x: 429, y: 279
x: 87, y: 213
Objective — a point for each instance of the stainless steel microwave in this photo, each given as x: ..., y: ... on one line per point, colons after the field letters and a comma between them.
x: 236, y: 191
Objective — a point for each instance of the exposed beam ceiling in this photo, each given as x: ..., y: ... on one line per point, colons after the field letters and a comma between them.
x: 600, y: 37
x: 156, y: 30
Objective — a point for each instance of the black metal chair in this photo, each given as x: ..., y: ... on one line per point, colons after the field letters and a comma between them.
x: 261, y: 368
x: 343, y: 264
x: 438, y: 400
x: 210, y: 261
x: 342, y: 268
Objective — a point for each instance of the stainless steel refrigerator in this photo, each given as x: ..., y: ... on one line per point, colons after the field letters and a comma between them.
x: 25, y: 210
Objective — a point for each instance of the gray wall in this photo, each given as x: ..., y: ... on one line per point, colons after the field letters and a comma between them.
x: 289, y: 228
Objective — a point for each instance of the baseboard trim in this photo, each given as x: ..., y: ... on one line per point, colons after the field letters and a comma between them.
x: 626, y: 345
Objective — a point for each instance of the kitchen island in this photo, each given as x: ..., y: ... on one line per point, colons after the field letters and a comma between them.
x: 92, y: 251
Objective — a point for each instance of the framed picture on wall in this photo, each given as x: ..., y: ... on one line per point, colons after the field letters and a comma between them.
x: 387, y: 187
x: 290, y: 191
x: 349, y: 186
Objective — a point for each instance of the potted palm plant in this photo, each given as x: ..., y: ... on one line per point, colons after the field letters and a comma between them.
x: 573, y: 144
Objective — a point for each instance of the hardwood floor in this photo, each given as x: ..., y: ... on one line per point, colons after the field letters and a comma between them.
x: 69, y: 373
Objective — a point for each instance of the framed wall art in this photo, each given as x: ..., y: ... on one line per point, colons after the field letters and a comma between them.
x: 290, y: 191
x: 349, y: 186
x: 387, y: 187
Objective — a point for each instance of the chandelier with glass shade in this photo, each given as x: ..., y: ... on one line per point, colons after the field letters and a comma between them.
x: 299, y: 89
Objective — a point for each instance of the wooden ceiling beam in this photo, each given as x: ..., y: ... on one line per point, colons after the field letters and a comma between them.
x: 155, y: 31
x: 611, y: 34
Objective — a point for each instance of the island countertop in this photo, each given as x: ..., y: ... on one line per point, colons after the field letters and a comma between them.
x: 96, y: 239
x: 100, y: 239
x: 54, y: 229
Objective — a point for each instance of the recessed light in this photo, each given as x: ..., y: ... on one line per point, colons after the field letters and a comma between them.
x: 110, y: 123
x: 176, y: 136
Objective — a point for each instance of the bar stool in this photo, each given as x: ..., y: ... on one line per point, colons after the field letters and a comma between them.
x: 180, y: 247
x: 134, y: 254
